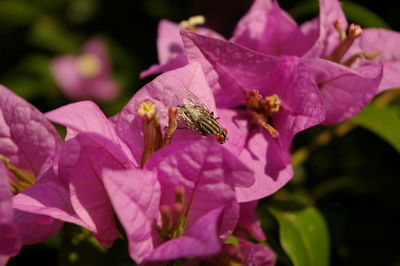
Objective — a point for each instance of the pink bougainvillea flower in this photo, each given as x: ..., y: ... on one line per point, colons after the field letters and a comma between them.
x: 27, y: 147
x: 347, y: 66
x: 170, y: 49
x: 192, y: 184
x: 172, y: 89
x: 94, y: 143
x: 280, y: 96
x: 87, y: 75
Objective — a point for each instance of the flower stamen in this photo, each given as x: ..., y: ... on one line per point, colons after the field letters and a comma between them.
x: 369, y: 56
x: 192, y: 23
x: 172, y: 125
x: 354, y: 32
x: 21, y: 179
x: 173, y: 219
x: 151, y: 129
x: 262, y: 109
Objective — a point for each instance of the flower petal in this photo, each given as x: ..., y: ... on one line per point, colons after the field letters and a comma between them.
x: 86, y: 117
x: 206, y: 171
x: 135, y: 195
x: 249, y: 221
x: 27, y: 137
x: 48, y: 196
x: 270, y: 30
x: 169, y: 89
x: 256, y: 254
x: 35, y: 228
x: 170, y: 49
x: 345, y: 90
x: 10, y: 239
x: 199, y: 241
x: 330, y: 12
x: 271, y: 166
x: 386, y: 42
x: 82, y: 162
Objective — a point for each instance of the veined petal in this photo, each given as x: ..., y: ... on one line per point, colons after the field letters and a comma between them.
x: 86, y: 117
x: 330, y: 12
x: 270, y: 163
x: 230, y: 68
x: 345, y: 90
x: 387, y: 43
x: 167, y: 90
x: 206, y: 172
x: 10, y: 239
x: 270, y: 30
x: 135, y: 195
x: 82, y: 162
x: 27, y: 138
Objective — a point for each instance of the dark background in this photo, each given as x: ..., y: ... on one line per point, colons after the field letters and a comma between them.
x: 353, y: 179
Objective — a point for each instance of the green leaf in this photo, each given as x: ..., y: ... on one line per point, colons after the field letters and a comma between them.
x: 359, y: 14
x: 303, y: 235
x: 355, y: 13
x: 232, y: 240
x: 383, y: 121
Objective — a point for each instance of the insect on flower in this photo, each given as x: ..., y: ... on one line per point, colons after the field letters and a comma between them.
x: 194, y: 115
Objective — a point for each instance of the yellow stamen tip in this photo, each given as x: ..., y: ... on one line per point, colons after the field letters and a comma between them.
x: 147, y: 109
x: 355, y: 31
x: 88, y: 65
x: 274, y: 103
x: 192, y: 22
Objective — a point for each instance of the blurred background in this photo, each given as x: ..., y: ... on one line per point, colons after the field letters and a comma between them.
x: 350, y: 173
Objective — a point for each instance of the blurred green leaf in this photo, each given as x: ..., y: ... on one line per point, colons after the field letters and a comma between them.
x: 354, y: 13
x: 232, y: 240
x: 15, y: 12
x: 303, y: 235
x: 359, y: 14
x: 80, y: 248
x: 305, y: 9
x: 50, y: 34
x: 383, y: 121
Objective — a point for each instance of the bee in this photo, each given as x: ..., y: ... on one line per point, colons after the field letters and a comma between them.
x: 196, y: 116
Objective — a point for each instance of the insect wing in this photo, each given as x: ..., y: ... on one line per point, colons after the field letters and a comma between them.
x: 190, y: 99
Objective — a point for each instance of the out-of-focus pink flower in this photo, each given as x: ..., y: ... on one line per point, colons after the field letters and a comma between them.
x: 87, y: 75
x: 28, y: 146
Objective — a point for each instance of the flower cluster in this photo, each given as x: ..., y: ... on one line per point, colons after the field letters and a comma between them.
x: 182, y: 166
